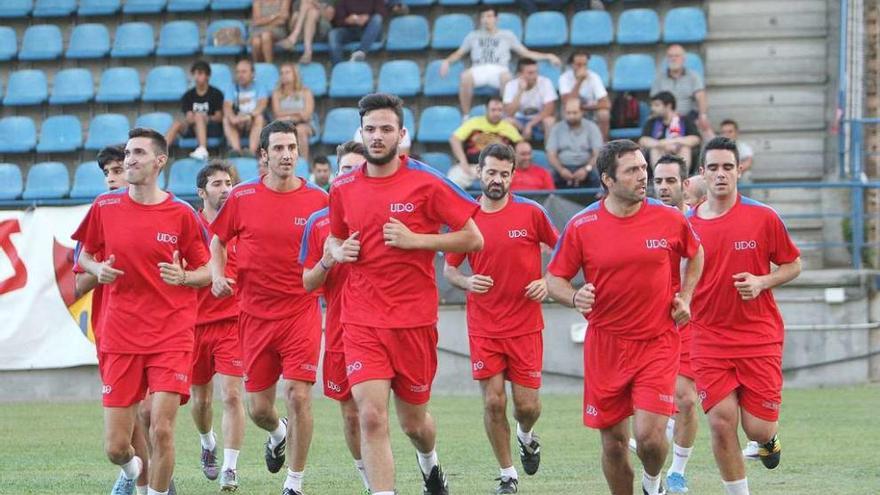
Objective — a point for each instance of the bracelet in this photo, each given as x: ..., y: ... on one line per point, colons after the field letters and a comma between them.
x: 324, y: 265
x: 573, y: 297
x: 184, y: 278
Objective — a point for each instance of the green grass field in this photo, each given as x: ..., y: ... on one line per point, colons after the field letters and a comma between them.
x: 831, y: 440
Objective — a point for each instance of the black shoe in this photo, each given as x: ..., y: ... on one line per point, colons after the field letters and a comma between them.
x: 275, y: 457
x: 290, y: 491
x: 530, y: 455
x: 660, y: 491
x: 172, y: 490
x: 770, y: 453
x: 506, y: 485
x: 435, y: 483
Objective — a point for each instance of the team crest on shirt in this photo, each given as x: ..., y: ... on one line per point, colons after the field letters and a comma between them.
x: 749, y: 245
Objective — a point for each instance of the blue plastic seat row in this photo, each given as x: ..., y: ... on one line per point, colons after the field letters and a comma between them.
x: 64, y: 8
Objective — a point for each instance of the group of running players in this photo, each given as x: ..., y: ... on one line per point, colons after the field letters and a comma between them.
x: 677, y: 299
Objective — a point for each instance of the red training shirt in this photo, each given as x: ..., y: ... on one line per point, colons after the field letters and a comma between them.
x: 211, y: 308
x: 511, y: 255
x: 534, y: 178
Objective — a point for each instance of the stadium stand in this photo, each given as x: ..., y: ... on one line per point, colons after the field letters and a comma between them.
x: 98, y: 7
x: 106, y: 130
x: 47, y: 180
x: 182, y: 177
x: 340, y: 125
x: 41, y: 42
x: 400, y: 77
x: 178, y: 39
x: 638, y: 27
x: 8, y: 44
x: 133, y: 40
x: 546, y: 30
x: 165, y: 83
x: 88, y: 41
x: 442, y: 86
x: 26, y: 87
x: 246, y: 167
x: 351, y: 80
x: 10, y: 181
x: 437, y: 123
x: 17, y: 134
x: 88, y: 181
x: 143, y: 6
x: 119, y: 85
x: 188, y: 5
x: 12, y: 9
x: 592, y: 28
x: 450, y: 30
x: 160, y: 121
x: 53, y: 8
x: 72, y: 86
x: 408, y: 33
x: 60, y: 134
x: 684, y: 25
x: 211, y: 48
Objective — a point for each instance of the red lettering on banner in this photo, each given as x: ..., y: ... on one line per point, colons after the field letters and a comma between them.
x: 19, y: 278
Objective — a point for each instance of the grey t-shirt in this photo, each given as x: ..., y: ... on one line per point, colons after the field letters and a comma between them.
x: 488, y: 48
x: 574, y: 146
x: 683, y: 88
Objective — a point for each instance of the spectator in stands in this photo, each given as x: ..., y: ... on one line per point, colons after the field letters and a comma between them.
x: 667, y: 131
x: 490, y: 49
x: 686, y: 85
x: 572, y: 148
x: 243, y: 107
x: 531, y: 6
x: 202, y: 111
x: 587, y: 86
x: 312, y: 18
x: 529, y: 176
x: 268, y: 25
x: 402, y: 148
x: 291, y: 100
x: 695, y: 190
x: 322, y: 174
x: 475, y: 134
x: 355, y: 20
x: 730, y: 130
x: 530, y: 100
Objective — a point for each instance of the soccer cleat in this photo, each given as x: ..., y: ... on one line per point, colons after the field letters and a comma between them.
x: 290, y: 491
x: 751, y: 451
x: 770, y: 453
x: 435, y: 483
x: 172, y: 490
x: 123, y: 485
x: 275, y: 457
x: 530, y: 455
x: 676, y: 483
x: 228, y: 481
x: 660, y: 491
x: 209, y: 463
x: 506, y: 485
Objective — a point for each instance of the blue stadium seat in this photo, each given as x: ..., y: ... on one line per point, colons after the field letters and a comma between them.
x: 159, y: 121
x: 221, y: 77
x: 339, y: 125
x: 478, y: 110
x: 302, y: 168
x: 72, y: 86
x: 17, y: 134
x: 98, y: 7
x: 351, y: 80
x: 314, y: 77
x: 107, y: 129
x: 188, y: 5
x: 247, y: 167
x: 407, y: 33
x: 8, y: 43
x: 400, y: 77
x: 231, y: 4
x: 418, y: 3
x: 442, y: 86
x: 41, y: 42
x: 638, y: 27
x: 441, y: 161
x: 632, y: 132
x: 438, y: 123
x: 550, y: 71
x: 692, y: 61
x: 182, y: 178
x: 499, y: 2
x: 53, y: 8
x: 26, y: 87
x: 592, y: 28
x: 60, y: 134
x: 47, y: 180
x: 88, y: 41
x: 450, y: 30
x: 511, y: 22
x: 633, y: 72
x: 212, y: 49
x: 178, y: 39
x: 88, y: 181
x: 10, y: 181
x: 143, y: 6
x: 10, y: 9
x: 409, y: 120
x: 539, y: 157
x: 458, y: 2
x: 165, y: 83
x: 599, y: 65
x: 266, y: 75
x: 546, y: 29
x: 133, y: 40
x: 684, y: 25
x: 119, y: 85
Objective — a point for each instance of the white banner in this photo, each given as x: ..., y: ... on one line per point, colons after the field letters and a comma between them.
x: 42, y: 324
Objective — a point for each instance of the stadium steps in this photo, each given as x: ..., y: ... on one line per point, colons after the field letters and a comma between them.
x: 771, y: 108
x: 765, y: 61
x: 789, y: 156
x: 776, y: 19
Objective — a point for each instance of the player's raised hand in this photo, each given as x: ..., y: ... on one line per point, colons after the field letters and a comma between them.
x: 222, y: 287
x: 584, y: 298
x: 748, y: 285
x: 349, y: 250
x: 398, y: 235
x: 173, y: 273
x: 107, y: 274
x: 681, y: 310
x: 537, y: 290
x: 479, y: 284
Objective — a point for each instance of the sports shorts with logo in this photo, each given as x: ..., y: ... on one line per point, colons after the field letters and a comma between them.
x: 519, y: 358
x: 126, y: 378
x: 336, y: 384
x: 217, y: 350
x: 757, y: 382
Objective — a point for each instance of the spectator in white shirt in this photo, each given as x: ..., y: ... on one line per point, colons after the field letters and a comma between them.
x: 530, y: 101
x: 580, y: 82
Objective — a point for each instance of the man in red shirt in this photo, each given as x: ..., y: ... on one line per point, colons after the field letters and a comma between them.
x: 146, y: 325
x: 529, y: 176
x: 504, y: 309
x: 217, y: 347
x: 738, y: 331
x: 279, y: 323
x: 385, y: 219
x: 623, y: 245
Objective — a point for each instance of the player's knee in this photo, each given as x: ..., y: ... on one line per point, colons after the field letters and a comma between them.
x: 722, y: 423
x: 260, y: 411
x: 528, y: 410
x: 200, y: 402
x: 162, y: 434
x: 232, y: 400
x: 373, y: 419
x: 685, y: 400
x: 495, y: 404
x: 118, y: 451
x: 651, y: 443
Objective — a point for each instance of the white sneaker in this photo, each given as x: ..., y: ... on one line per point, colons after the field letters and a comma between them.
x: 358, y: 56
x: 751, y: 451
x: 200, y: 153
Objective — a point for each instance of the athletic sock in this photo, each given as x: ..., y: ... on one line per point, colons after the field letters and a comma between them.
x: 651, y: 484
x: 524, y: 436
x: 738, y: 487
x: 132, y: 469
x: 427, y: 461
x: 509, y: 473
x: 680, y: 457
x: 277, y: 435
x: 230, y: 459
x: 141, y: 489
x: 209, y: 442
x: 670, y: 429
x: 294, y: 480
x: 150, y: 491
x: 384, y: 493
x: 362, y: 472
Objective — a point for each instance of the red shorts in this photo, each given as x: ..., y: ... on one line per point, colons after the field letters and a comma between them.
x: 336, y: 384
x: 756, y: 380
x: 127, y: 377
x: 288, y: 347
x: 217, y: 350
x: 622, y: 375
x: 406, y: 356
x: 519, y: 358
x: 684, y: 366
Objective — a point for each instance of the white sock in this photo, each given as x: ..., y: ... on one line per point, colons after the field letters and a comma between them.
x: 384, y: 493
x: 230, y: 459
x: 294, y: 480
x: 132, y: 468
x: 670, y: 429
x: 509, y: 473
x: 680, y: 457
x: 738, y: 487
x: 277, y: 435
x: 362, y: 471
x: 209, y: 442
x: 141, y: 489
x: 150, y: 491
x: 524, y: 436
x: 427, y: 461
x: 651, y: 484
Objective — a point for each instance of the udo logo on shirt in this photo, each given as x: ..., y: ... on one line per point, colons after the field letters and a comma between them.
x: 517, y: 233
x: 402, y: 207
x: 656, y: 243
x: 744, y: 245
x: 165, y: 237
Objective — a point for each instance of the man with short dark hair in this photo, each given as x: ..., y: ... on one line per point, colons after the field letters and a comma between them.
x: 350, y: 155
x: 586, y: 86
x: 730, y: 130
x: 504, y: 309
x: 529, y: 176
x: 321, y: 172
x: 476, y: 133
x: 202, y: 108
x: 243, y: 107
x: 667, y: 131
x: 530, y: 100
x: 572, y: 148
x: 631, y: 350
